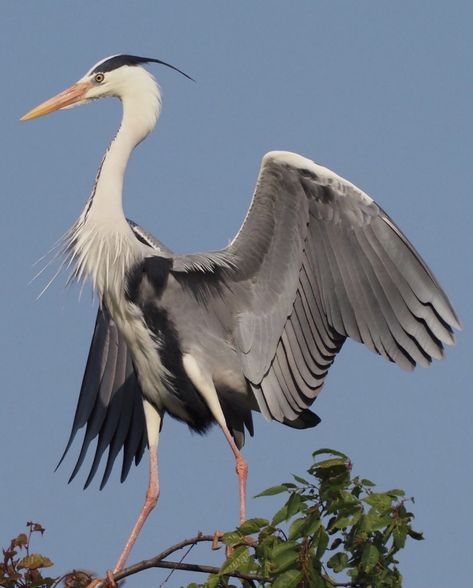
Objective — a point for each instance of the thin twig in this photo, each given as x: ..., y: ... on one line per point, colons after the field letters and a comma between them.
x: 157, y: 562
x: 151, y: 563
x: 184, y: 555
x: 174, y: 565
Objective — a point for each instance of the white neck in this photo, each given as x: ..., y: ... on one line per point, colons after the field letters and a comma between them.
x: 101, y: 244
x: 141, y: 108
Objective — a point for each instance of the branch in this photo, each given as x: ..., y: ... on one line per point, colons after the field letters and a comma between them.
x: 175, y: 565
x: 157, y: 562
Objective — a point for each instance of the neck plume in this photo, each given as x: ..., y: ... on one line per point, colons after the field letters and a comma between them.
x: 101, y: 245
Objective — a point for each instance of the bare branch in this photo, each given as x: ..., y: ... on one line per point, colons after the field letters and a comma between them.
x: 174, y: 565
x: 157, y: 562
x: 183, y: 557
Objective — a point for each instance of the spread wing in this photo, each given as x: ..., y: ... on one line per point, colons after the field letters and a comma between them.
x: 110, y: 401
x: 315, y: 261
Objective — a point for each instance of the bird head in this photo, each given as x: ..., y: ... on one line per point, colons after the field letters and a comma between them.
x: 120, y: 76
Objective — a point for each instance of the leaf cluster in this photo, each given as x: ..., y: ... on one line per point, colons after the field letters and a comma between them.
x: 20, y: 568
x: 333, y: 530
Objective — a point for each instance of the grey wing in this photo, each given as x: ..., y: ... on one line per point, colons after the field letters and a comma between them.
x: 110, y: 400
x: 110, y: 403
x: 315, y: 261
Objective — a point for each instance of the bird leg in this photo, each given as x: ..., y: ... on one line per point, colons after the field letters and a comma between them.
x: 152, y: 495
x: 241, y: 470
x: 203, y: 382
x: 153, y: 425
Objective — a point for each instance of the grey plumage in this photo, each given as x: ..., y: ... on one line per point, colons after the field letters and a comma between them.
x: 110, y: 403
x: 315, y: 261
x: 211, y: 337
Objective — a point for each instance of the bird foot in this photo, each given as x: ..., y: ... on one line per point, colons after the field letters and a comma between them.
x: 229, y: 550
x: 216, y: 540
x: 250, y: 541
x: 108, y: 582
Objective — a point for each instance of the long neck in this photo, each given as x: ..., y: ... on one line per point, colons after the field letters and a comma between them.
x: 105, y: 202
x: 101, y: 245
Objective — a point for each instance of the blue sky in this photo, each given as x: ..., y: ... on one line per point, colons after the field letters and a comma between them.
x: 378, y: 91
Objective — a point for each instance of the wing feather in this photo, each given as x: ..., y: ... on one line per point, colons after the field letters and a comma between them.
x: 110, y: 400
x: 315, y: 261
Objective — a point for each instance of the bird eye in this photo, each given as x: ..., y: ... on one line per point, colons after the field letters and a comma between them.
x: 99, y: 78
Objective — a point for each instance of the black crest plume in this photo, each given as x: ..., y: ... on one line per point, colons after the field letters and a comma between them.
x: 120, y: 60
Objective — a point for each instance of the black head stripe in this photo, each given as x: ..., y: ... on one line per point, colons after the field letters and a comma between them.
x: 121, y: 60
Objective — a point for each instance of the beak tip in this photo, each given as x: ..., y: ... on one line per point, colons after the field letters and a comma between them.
x: 28, y: 116
x: 69, y: 97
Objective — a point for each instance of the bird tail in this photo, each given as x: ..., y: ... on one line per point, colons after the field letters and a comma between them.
x: 305, y: 420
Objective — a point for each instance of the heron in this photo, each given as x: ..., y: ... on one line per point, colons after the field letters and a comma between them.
x: 213, y: 337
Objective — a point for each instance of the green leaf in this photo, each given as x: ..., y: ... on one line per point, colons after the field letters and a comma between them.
x: 272, y: 491
x: 316, y: 580
x: 395, y: 492
x: 283, y: 547
x: 280, y: 516
x: 252, y: 526
x: 331, y: 463
x: 290, y: 579
x: 293, y: 504
x: 415, y: 535
x: 311, y: 525
x: 232, y: 537
x: 399, y: 538
x: 236, y: 561
x: 326, y: 451
x: 265, y: 568
x: 285, y: 560
x: 370, y: 557
x: 380, y: 500
x: 374, y: 521
x: 322, y: 543
x: 301, y: 480
x: 295, y: 528
x: 213, y: 581
x: 338, y: 562
x: 342, y: 523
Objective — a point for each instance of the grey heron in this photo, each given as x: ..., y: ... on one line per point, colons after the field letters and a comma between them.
x: 210, y: 337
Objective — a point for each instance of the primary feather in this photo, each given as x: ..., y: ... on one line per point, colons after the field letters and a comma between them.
x: 315, y: 261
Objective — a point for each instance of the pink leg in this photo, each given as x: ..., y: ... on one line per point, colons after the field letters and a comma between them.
x: 152, y: 496
x: 202, y: 380
x: 241, y: 470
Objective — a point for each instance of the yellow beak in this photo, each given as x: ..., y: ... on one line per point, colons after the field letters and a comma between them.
x: 67, y: 98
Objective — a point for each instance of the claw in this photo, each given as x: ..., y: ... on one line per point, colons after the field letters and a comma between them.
x: 216, y: 540
x: 229, y: 550
x: 110, y: 582
x: 107, y: 582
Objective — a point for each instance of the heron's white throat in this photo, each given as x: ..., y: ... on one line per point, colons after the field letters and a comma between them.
x: 101, y: 246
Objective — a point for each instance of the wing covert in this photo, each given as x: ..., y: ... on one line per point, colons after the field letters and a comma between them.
x: 315, y: 261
